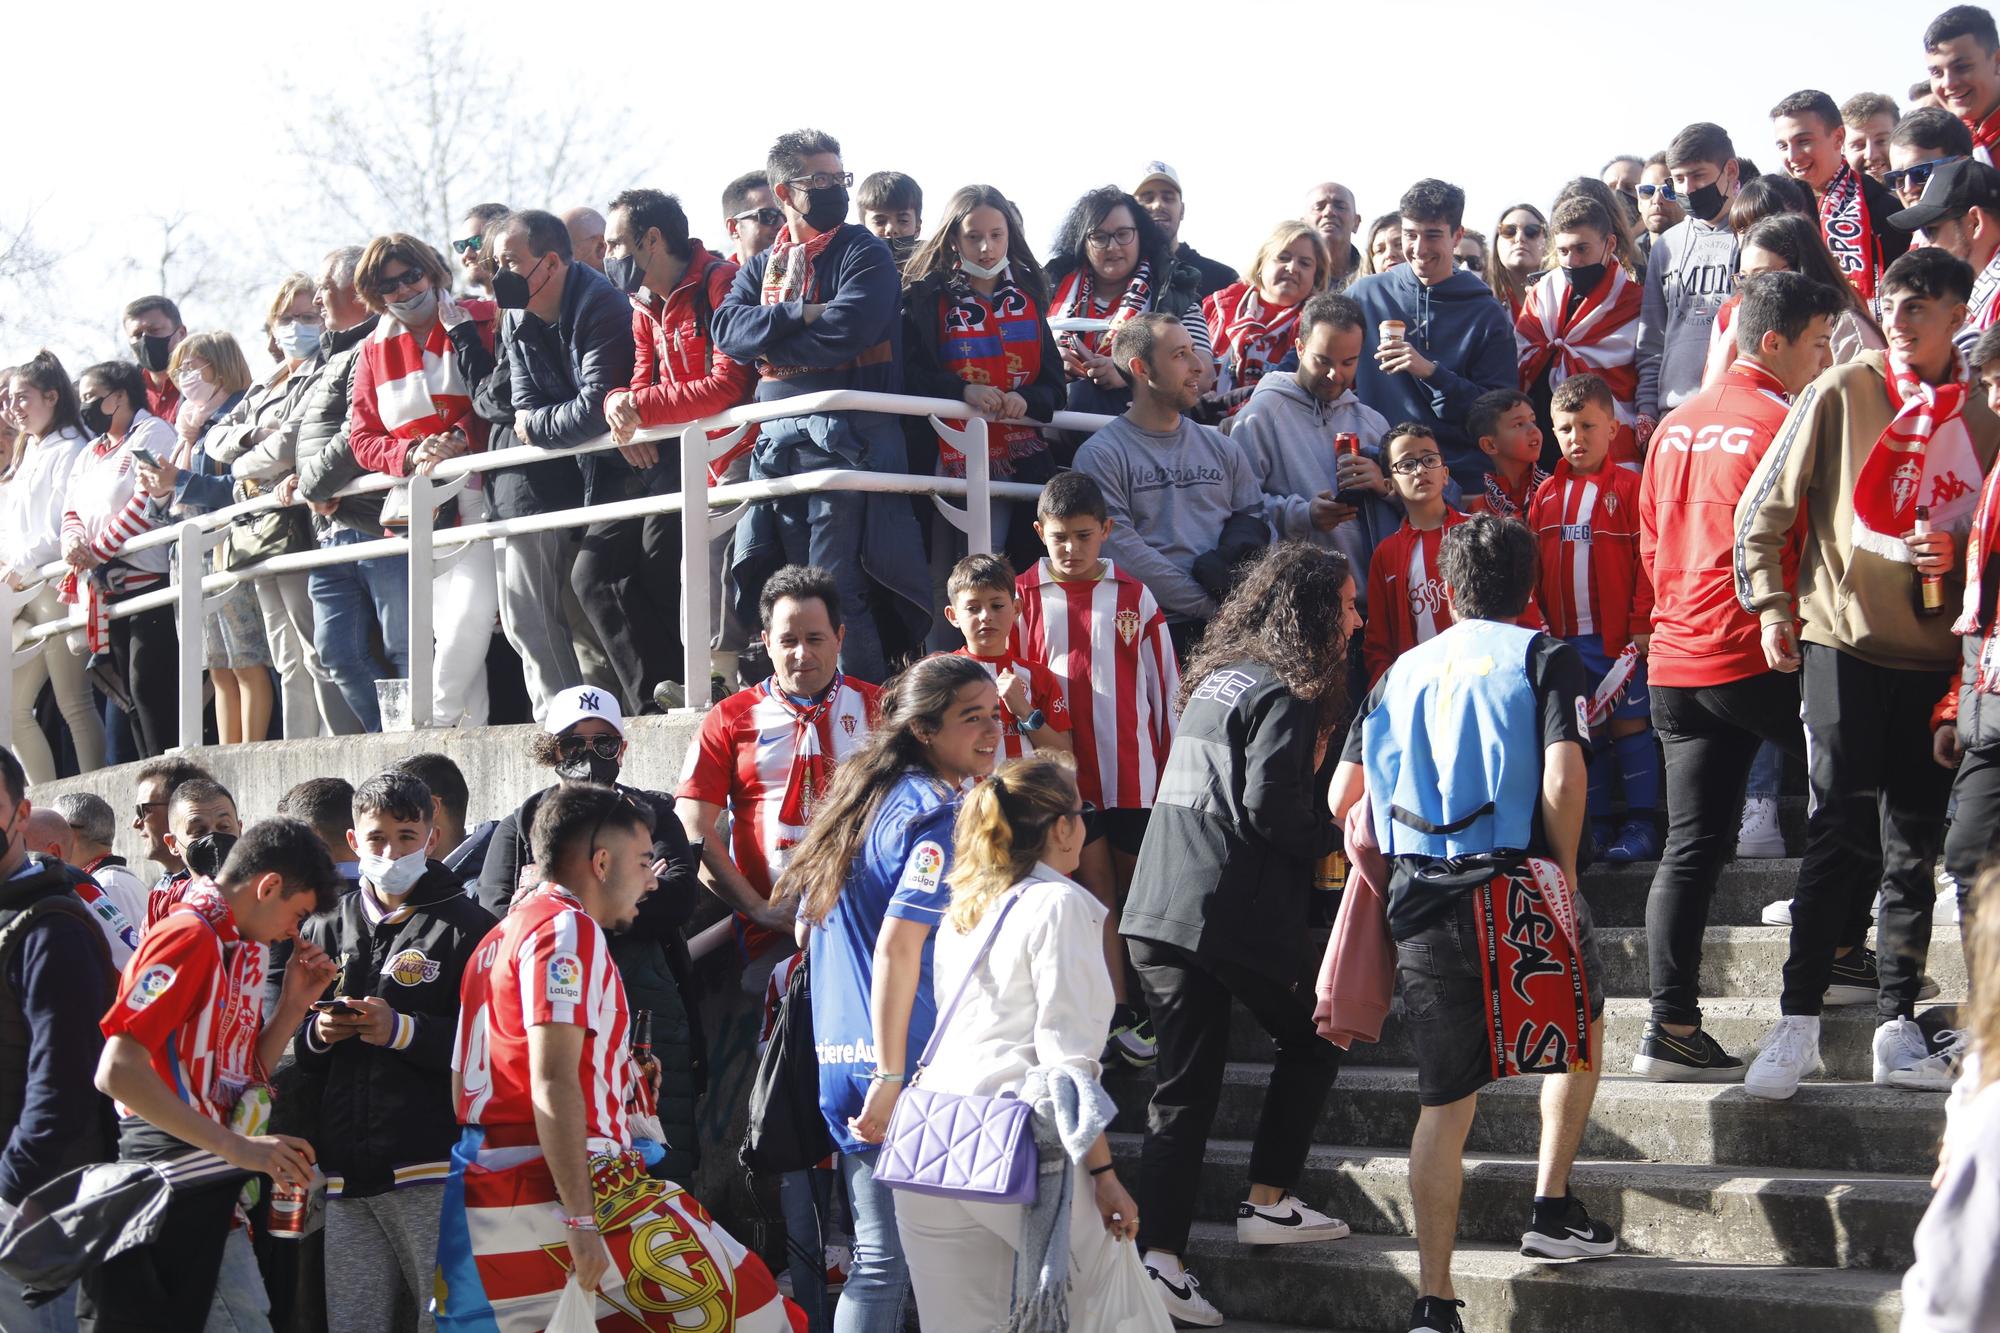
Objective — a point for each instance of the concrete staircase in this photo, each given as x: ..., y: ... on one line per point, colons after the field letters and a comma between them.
x: 1732, y: 1212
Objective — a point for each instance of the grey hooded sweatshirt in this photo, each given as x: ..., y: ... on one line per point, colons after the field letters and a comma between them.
x: 1691, y: 272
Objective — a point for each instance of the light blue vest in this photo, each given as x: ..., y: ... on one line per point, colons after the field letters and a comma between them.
x: 1453, y: 752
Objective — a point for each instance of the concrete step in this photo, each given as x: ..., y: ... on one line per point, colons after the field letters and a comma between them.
x: 1838, y: 1127
x: 1716, y: 1214
x: 1617, y: 894
x: 1370, y: 1282
x: 1739, y: 1023
x: 1750, y: 960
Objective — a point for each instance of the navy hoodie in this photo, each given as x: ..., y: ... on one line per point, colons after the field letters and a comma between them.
x: 1463, y: 327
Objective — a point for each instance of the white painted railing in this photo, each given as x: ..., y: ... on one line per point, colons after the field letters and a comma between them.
x: 431, y: 550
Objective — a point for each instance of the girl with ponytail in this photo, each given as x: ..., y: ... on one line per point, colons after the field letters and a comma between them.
x: 1033, y: 1014
x: 871, y: 873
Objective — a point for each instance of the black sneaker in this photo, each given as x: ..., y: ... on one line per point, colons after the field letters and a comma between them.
x: 1856, y: 978
x: 1569, y: 1234
x: 1696, y: 1058
x: 1435, y: 1314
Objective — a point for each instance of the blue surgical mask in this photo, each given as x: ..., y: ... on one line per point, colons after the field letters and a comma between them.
x: 297, y: 340
x: 393, y: 875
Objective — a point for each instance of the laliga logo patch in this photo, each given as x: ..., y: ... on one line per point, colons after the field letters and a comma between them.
x: 926, y: 866
x: 152, y: 984
x: 411, y: 968
x: 566, y: 978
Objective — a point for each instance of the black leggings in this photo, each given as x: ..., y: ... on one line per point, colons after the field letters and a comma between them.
x: 145, y: 649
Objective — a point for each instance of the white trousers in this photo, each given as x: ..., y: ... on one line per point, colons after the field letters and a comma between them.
x: 59, y: 663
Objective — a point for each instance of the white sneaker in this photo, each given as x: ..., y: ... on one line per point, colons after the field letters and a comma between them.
x: 1935, y: 1073
x: 1179, y: 1292
x: 1899, y: 1048
x: 1946, y: 911
x: 1758, y: 837
x: 1778, y: 913
x: 1790, y: 1053
x: 1286, y: 1222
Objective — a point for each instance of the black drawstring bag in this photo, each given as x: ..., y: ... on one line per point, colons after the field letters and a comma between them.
x: 787, y: 1131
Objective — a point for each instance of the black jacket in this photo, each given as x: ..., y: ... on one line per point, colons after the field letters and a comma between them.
x: 1215, y: 275
x: 534, y: 488
x: 560, y: 373
x: 382, y: 1108
x: 324, y: 461
x: 1237, y: 827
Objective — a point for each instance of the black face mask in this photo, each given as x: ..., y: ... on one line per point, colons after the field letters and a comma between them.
x: 826, y: 209
x: 1583, y: 278
x: 153, y: 351
x: 510, y: 290
x: 589, y: 767
x: 624, y: 272
x: 96, y: 417
x: 205, y: 855
x: 902, y: 247
x: 1705, y: 202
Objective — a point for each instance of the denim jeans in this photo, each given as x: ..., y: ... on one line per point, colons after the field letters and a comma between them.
x: 350, y: 602
x: 16, y: 1316
x: 241, y: 1304
x: 878, y: 1281
x: 807, y: 1200
x: 1765, y: 771
x: 826, y: 528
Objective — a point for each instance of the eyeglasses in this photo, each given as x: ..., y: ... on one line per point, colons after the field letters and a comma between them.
x: 572, y: 748
x: 391, y: 283
x: 1666, y: 192
x: 769, y: 217
x: 1532, y: 230
x: 1105, y: 240
x: 465, y: 245
x: 821, y: 180
x: 1476, y: 263
x: 1410, y: 467
x: 1918, y: 176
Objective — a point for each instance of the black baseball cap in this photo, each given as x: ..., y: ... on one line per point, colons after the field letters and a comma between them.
x: 1953, y: 189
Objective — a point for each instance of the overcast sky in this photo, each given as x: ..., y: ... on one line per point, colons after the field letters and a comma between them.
x: 143, y: 113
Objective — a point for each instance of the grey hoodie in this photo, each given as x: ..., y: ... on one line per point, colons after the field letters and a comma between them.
x: 1169, y: 496
x: 1690, y: 273
x: 1287, y: 434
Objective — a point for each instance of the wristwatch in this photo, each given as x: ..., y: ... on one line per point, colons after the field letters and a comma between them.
x: 1034, y: 721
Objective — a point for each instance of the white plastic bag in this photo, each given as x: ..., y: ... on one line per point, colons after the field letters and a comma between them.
x: 576, y: 1310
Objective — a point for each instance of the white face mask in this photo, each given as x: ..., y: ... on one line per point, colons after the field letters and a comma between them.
x: 973, y: 268
x: 393, y: 875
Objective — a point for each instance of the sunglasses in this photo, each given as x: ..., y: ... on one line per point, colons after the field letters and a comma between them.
x: 391, y: 283
x: 1410, y: 467
x: 1475, y: 263
x: 1532, y: 230
x: 769, y: 217
x: 572, y: 748
x: 140, y: 810
x: 1666, y: 192
x: 1918, y: 176
x: 466, y: 245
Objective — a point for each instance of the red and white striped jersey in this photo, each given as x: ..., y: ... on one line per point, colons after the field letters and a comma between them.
x: 1045, y: 695
x: 193, y: 995
x: 1106, y: 641
x: 747, y: 759
x: 1591, y: 582
x: 547, y: 962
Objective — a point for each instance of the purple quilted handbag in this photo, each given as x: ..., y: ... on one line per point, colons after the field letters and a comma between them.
x: 979, y: 1149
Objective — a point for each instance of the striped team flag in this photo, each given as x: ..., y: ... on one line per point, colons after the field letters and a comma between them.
x: 503, y: 1254
x: 1601, y: 337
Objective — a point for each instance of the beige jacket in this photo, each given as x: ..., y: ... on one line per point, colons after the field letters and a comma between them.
x: 1849, y: 599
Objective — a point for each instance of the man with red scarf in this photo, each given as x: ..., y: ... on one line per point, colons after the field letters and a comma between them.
x: 1962, y: 58
x: 822, y: 310
x: 1854, y: 208
x: 1865, y: 448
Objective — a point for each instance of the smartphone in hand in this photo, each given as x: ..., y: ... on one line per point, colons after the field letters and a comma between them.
x: 338, y: 1008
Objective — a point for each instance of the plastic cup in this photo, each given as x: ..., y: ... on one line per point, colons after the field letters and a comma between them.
x: 392, y: 697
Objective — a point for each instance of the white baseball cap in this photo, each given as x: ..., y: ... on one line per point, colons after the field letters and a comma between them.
x: 1157, y: 171
x: 578, y: 702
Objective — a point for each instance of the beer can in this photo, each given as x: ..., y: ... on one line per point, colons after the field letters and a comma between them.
x: 297, y: 1211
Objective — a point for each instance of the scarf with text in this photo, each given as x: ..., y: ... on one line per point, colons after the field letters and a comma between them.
x: 789, y: 275
x: 1501, y: 504
x: 812, y: 759
x: 1074, y: 297
x: 1850, y: 232
x: 1531, y: 955
x: 1924, y: 457
x: 996, y: 341
x: 1249, y: 335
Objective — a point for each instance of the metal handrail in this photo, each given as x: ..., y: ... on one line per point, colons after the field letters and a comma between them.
x: 193, y: 538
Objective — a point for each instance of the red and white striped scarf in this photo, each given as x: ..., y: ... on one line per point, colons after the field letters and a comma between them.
x: 419, y: 390
x: 789, y: 274
x: 1248, y: 335
x: 1924, y: 457
x: 1850, y: 232
x: 1984, y: 135
x: 1600, y: 337
x: 1980, y: 542
x: 812, y: 749
x: 1074, y: 298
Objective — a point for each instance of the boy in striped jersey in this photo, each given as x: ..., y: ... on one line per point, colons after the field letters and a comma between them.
x: 1598, y: 598
x: 1406, y: 595
x: 983, y: 609
x: 1105, y: 638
